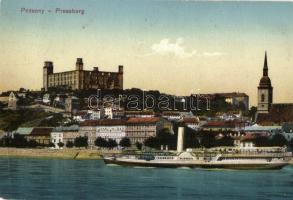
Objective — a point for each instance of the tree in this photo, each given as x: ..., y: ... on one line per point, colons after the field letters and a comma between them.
x: 152, y: 142
x: 69, y: 144
x: 81, y: 142
x: 32, y: 143
x: 51, y: 144
x: 61, y: 144
x: 262, y: 141
x: 101, y: 142
x: 290, y: 144
x: 252, y: 112
x: 166, y: 138
x: 112, y: 143
x: 18, y: 141
x: 208, y: 140
x: 5, y: 141
x: 190, y: 139
x: 278, y: 140
x: 125, y: 142
x: 138, y: 145
x: 225, y: 141
x: 52, y: 121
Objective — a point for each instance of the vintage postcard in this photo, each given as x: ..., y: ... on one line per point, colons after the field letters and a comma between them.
x: 146, y: 99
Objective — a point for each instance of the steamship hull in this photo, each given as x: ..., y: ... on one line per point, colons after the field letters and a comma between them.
x: 195, y: 164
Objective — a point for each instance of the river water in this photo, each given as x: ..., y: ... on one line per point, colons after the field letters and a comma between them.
x: 23, y: 178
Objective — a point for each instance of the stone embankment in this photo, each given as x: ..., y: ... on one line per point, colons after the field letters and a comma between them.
x: 73, y: 153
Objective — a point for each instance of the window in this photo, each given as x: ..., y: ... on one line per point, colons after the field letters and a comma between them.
x: 262, y: 98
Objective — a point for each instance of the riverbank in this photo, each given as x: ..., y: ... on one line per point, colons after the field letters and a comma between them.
x: 74, y: 153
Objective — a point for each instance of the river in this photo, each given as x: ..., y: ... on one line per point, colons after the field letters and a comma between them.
x: 23, y: 178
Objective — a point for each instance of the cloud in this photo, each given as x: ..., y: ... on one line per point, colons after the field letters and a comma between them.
x: 166, y: 47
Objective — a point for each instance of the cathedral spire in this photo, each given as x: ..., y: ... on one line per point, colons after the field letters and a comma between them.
x: 265, y: 90
x: 265, y: 66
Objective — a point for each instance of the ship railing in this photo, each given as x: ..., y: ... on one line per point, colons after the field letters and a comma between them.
x: 258, y: 154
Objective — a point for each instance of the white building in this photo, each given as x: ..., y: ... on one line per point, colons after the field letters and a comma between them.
x: 95, y: 114
x: 64, y: 134
x: 108, y: 112
x: 12, y: 101
x: 191, y: 122
x: 103, y: 113
x: 46, y: 98
x: 56, y: 138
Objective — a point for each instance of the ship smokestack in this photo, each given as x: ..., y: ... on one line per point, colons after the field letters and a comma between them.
x: 180, y: 139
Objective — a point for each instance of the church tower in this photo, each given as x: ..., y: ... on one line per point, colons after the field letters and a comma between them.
x: 265, y: 90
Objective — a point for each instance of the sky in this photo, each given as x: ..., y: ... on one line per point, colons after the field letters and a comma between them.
x: 175, y: 46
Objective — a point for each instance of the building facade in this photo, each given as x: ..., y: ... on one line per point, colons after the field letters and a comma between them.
x: 80, y: 79
x: 64, y: 134
x: 56, y: 138
x: 88, y: 129
x: 139, y: 129
x: 191, y: 122
x: 111, y: 129
x: 105, y: 128
x: 41, y: 135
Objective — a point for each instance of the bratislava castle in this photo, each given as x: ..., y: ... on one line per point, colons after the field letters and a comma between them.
x: 80, y: 79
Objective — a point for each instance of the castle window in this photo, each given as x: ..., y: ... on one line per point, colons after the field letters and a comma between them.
x: 262, y: 98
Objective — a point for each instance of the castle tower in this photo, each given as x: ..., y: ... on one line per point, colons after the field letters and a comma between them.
x: 79, y: 64
x: 47, y: 70
x: 79, y: 73
x: 120, y: 77
x: 265, y: 91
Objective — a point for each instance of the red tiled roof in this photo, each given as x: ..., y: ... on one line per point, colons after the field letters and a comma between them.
x: 41, y: 131
x: 168, y: 113
x: 103, y: 122
x: 141, y: 112
x: 190, y: 120
x: 81, y: 113
x: 229, y: 124
x: 248, y: 137
x: 143, y: 120
x: 278, y: 114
